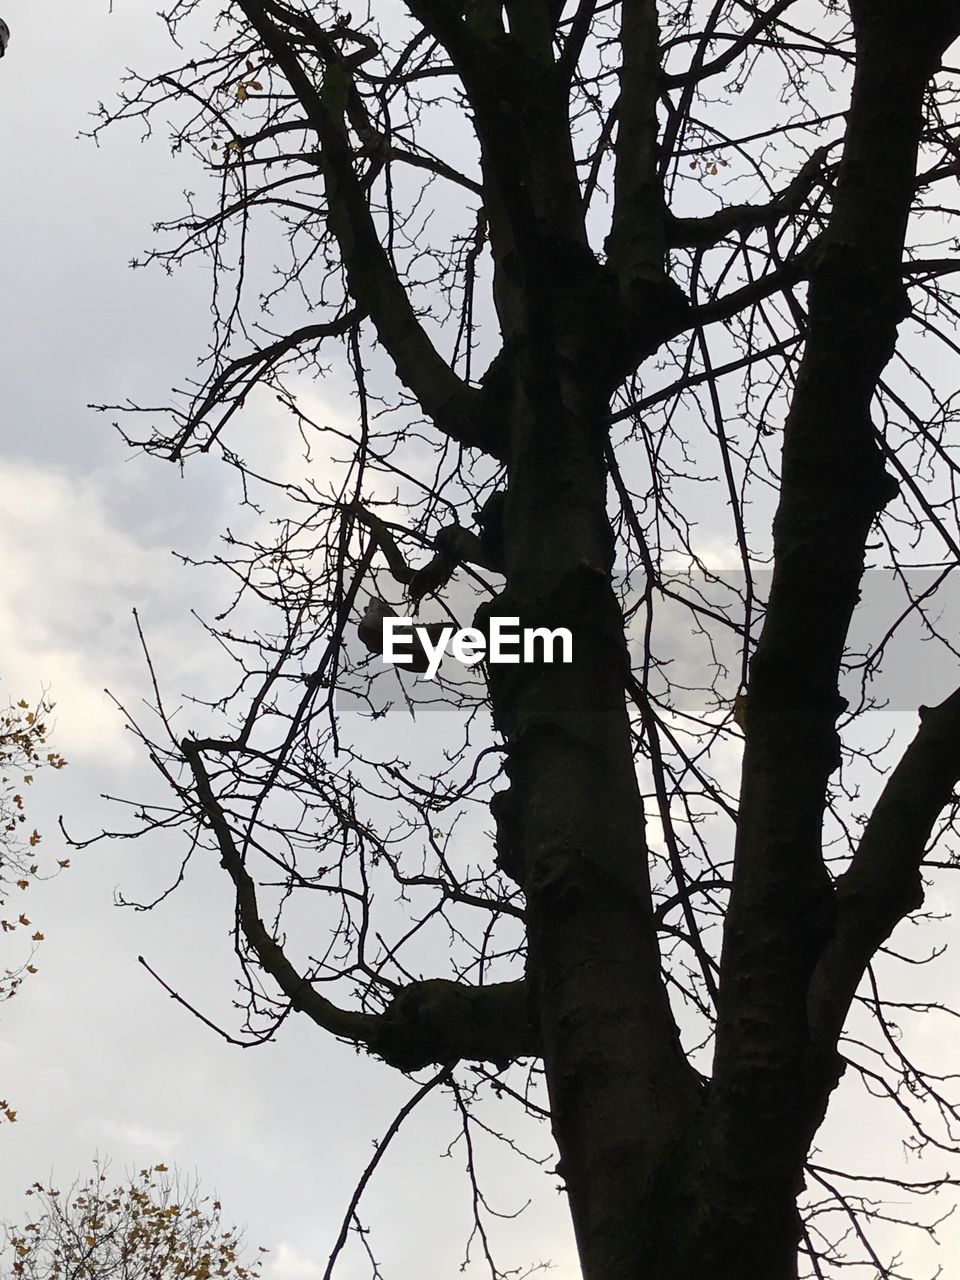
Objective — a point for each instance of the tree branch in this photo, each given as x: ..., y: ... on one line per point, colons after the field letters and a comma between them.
x: 453, y: 406
x: 430, y: 1021
x: 249, y: 370
x: 691, y: 233
x: 833, y: 486
x: 883, y: 883
x: 700, y: 71
x: 636, y: 245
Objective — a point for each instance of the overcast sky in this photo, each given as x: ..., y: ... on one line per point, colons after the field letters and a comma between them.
x: 93, y: 1055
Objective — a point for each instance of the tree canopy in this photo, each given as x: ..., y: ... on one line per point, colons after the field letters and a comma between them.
x: 634, y: 320
x: 24, y: 749
x: 153, y: 1225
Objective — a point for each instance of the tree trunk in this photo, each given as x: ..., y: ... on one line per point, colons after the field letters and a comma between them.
x: 622, y: 1096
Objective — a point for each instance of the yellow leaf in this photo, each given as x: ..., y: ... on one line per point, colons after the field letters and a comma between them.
x: 242, y: 94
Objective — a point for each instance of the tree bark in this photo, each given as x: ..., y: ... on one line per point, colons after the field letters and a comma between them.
x: 622, y: 1094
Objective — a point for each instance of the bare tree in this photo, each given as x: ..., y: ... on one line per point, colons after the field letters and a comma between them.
x: 622, y: 288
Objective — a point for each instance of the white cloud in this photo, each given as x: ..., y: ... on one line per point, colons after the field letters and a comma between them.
x: 135, y: 1135
x: 72, y: 575
x: 288, y: 1263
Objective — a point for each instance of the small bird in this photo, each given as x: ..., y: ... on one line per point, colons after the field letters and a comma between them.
x: 4, y: 37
